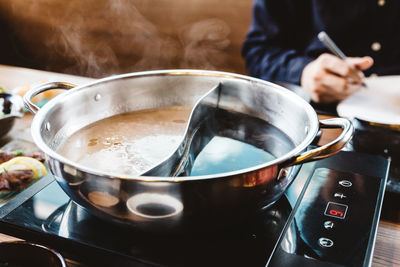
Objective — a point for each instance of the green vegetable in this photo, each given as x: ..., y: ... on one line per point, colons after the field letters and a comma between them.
x: 2, y: 89
x: 18, y: 153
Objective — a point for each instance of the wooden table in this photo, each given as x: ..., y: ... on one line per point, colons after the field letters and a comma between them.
x: 387, y: 246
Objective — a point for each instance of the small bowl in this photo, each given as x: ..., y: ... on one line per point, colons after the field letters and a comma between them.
x: 11, y: 107
x: 21, y: 253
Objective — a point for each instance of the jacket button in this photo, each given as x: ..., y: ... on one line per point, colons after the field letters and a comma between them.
x: 376, y: 46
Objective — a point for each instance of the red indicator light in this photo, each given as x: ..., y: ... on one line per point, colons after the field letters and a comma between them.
x: 336, y: 213
x: 336, y: 210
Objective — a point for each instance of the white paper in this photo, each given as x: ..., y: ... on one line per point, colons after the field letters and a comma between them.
x: 379, y: 102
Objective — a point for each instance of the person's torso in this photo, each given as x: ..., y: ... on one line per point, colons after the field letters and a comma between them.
x: 359, y: 28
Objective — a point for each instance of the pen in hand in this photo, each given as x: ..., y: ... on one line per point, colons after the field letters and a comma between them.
x: 327, y: 41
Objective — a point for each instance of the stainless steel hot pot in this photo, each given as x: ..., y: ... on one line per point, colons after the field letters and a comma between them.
x: 174, y: 204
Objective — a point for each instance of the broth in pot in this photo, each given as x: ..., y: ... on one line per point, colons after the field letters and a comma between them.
x: 132, y: 143
x: 129, y: 143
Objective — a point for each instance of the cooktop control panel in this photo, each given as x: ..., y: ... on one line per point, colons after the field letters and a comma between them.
x: 335, y: 220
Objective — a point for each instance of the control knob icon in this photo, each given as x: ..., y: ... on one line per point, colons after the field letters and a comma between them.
x: 345, y: 183
x: 325, y: 242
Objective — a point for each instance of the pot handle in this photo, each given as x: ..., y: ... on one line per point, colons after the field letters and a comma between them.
x: 40, y: 89
x: 329, y: 149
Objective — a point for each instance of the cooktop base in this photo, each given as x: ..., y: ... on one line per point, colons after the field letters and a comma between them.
x: 344, y: 192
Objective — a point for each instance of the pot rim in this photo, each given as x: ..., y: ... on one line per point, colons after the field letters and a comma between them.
x: 39, y: 119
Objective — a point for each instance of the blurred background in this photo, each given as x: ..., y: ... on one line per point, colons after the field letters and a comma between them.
x: 97, y: 38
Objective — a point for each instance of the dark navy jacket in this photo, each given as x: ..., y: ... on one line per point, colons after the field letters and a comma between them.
x: 283, y: 35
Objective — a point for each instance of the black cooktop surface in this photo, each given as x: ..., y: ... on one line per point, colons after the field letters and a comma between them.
x: 293, y: 231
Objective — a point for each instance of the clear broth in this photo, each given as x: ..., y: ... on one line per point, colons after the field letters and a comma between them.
x: 240, y: 141
x: 223, y: 154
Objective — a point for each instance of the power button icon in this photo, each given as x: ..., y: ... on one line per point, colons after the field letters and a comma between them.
x: 345, y: 183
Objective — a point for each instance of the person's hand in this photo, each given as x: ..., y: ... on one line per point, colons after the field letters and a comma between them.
x: 330, y: 79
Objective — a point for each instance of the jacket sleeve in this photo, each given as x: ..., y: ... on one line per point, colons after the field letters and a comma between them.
x: 273, y: 49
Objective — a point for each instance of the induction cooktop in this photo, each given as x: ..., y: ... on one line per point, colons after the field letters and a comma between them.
x: 328, y: 217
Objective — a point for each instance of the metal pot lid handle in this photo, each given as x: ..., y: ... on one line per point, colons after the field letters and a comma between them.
x: 40, y: 89
x: 329, y: 149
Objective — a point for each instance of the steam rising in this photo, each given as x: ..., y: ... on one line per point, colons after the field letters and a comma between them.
x: 99, y: 38
x: 203, y: 43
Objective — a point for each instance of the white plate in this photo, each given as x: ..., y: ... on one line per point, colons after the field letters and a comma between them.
x: 379, y: 103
